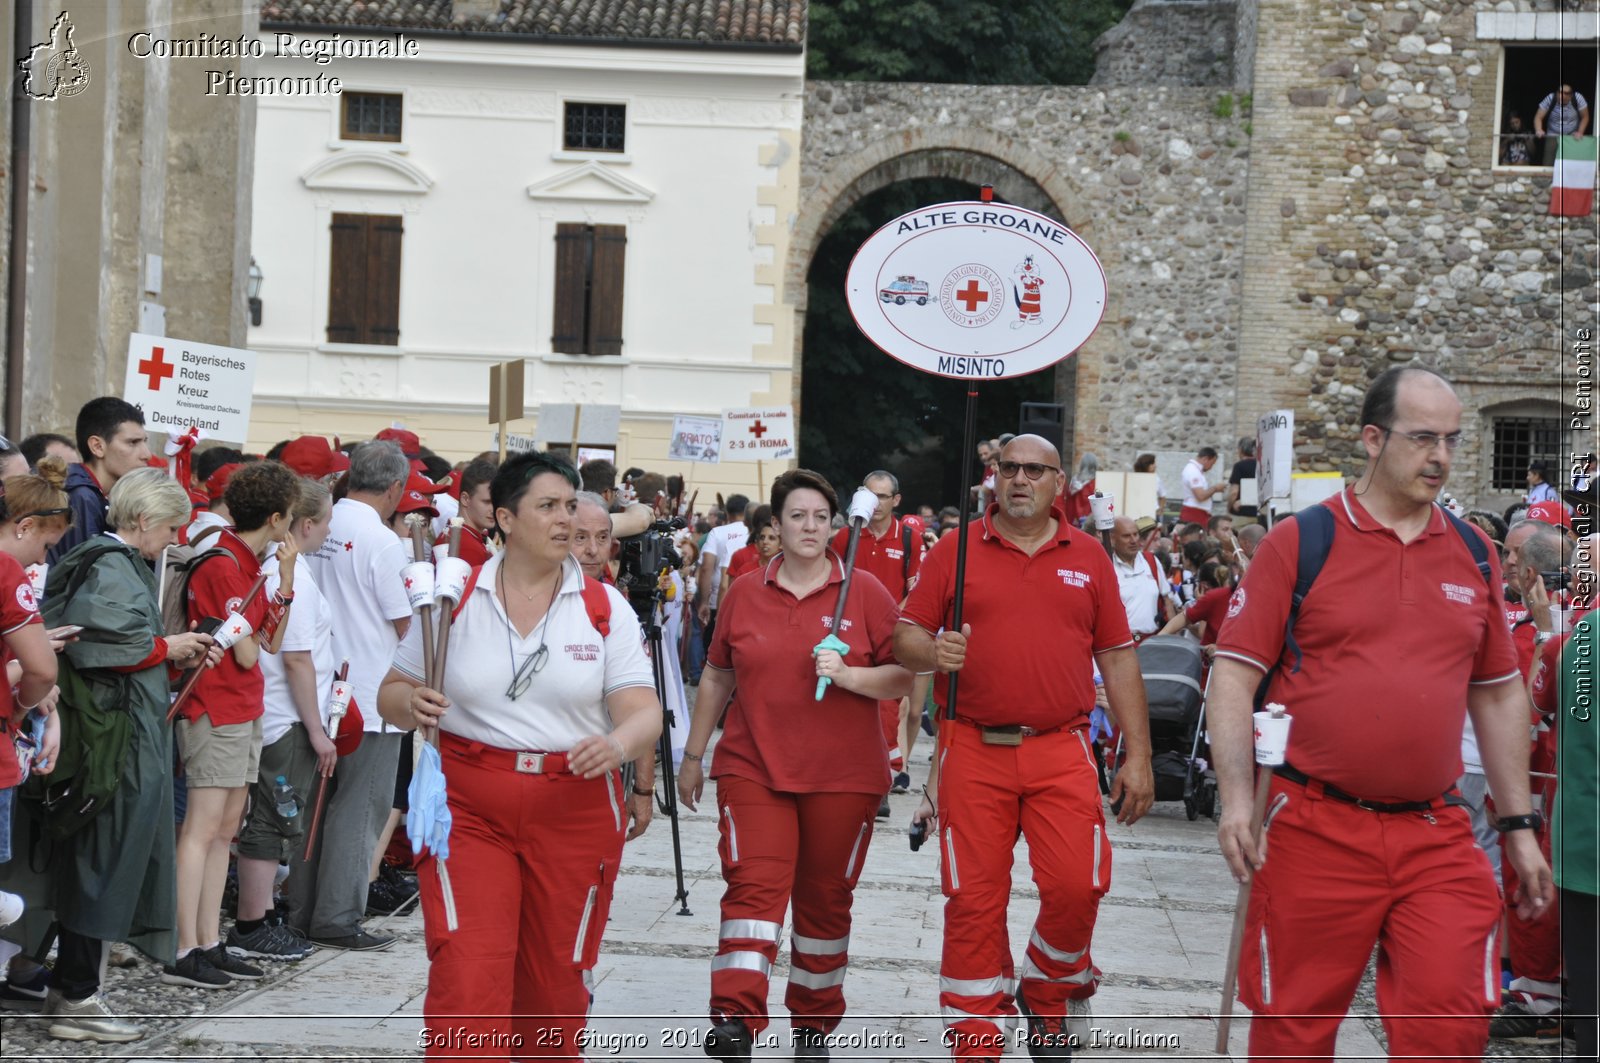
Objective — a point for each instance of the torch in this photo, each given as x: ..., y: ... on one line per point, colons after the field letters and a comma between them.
x: 862, y: 505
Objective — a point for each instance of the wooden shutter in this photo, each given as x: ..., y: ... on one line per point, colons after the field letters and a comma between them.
x: 572, y: 283
x: 383, y: 278
x: 605, y: 289
x: 347, y: 279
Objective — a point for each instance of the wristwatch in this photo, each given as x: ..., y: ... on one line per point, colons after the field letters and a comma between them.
x: 1527, y: 821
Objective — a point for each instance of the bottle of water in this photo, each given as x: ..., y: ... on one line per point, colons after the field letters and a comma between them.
x: 283, y: 793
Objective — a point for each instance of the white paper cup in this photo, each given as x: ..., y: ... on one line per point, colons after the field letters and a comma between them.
x: 451, y: 578
x: 1272, y: 738
x: 338, y: 705
x: 1103, y: 505
x: 418, y: 579
x: 232, y: 630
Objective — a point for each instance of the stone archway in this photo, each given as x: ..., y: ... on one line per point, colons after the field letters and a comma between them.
x: 906, y: 132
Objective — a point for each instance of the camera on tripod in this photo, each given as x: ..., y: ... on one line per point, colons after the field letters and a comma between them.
x: 643, y: 559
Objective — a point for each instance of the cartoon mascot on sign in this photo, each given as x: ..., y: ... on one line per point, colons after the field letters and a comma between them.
x: 1026, y: 293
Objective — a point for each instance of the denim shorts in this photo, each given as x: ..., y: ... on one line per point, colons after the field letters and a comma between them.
x: 8, y: 798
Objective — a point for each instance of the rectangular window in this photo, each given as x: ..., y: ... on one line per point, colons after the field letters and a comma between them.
x: 595, y: 127
x: 1530, y: 74
x: 364, y: 279
x: 588, y: 310
x: 1519, y: 440
x: 371, y: 116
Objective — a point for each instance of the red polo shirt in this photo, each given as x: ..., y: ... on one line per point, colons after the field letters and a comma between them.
x: 1392, y: 635
x: 1035, y: 620
x: 1212, y: 607
x: 473, y: 550
x: 227, y: 693
x: 885, y: 556
x: 777, y: 734
x: 745, y: 559
x: 17, y: 610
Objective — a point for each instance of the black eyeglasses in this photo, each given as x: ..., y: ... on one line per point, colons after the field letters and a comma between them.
x: 523, y: 679
x: 1032, y: 469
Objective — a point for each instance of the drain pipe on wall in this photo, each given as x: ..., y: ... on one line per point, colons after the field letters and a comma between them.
x: 17, y: 266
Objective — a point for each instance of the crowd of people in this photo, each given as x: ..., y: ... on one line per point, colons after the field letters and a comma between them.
x: 220, y: 678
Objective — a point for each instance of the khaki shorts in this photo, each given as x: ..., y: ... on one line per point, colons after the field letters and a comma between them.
x: 227, y: 756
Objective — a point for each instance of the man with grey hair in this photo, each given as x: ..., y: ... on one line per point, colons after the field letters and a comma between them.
x: 358, y: 569
x: 591, y: 536
x: 1243, y: 469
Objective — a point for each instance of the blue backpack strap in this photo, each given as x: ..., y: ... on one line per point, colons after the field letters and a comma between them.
x: 1475, y: 543
x: 1316, y: 540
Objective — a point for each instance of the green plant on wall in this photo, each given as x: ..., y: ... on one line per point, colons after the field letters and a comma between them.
x: 1224, y: 106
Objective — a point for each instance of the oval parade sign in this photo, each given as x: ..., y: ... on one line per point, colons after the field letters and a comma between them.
x: 976, y: 291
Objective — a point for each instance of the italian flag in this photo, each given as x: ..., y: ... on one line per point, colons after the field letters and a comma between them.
x: 1572, y: 184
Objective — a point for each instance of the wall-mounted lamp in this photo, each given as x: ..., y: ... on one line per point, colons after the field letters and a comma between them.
x: 252, y: 290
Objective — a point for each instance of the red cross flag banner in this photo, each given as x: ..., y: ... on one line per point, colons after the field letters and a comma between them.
x: 976, y: 291
x: 181, y: 385
x: 762, y: 433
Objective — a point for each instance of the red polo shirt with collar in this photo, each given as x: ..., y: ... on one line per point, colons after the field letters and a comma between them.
x: 227, y: 693
x: 777, y: 733
x: 1036, y: 622
x: 885, y: 556
x: 474, y: 550
x: 1392, y: 635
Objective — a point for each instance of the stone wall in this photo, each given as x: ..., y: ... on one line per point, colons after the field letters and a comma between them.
x: 1379, y: 232
x: 1168, y: 42
x: 1154, y: 182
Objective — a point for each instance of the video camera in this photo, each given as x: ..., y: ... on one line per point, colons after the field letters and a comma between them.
x: 643, y: 558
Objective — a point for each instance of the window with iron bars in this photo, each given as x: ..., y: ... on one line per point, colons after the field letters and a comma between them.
x: 371, y: 115
x: 595, y: 127
x: 1519, y: 440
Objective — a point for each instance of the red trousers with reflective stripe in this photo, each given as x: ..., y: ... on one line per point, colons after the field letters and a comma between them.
x: 1046, y: 790
x: 533, y: 860
x: 1339, y: 879
x: 889, y: 717
x: 1534, y: 944
x: 777, y: 847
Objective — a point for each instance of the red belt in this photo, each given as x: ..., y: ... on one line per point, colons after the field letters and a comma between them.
x: 1011, y: 728
x: 522, y: 761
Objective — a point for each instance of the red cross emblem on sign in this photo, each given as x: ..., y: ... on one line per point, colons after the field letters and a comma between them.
x: 972, y: 295
x: 758, y: 429
x: 155, y: 368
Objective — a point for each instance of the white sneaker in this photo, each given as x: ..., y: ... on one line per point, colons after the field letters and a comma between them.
x: 10, y: 908
x: 1079, y: 1012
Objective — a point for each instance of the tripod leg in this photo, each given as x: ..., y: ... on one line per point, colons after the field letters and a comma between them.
x: 669, y: 800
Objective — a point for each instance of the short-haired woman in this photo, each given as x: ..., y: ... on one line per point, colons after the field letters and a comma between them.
x: 113, y: 880
x: 798, y: 780
x: 547, y: 693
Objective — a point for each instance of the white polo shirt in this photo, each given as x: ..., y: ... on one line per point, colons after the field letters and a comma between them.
x: 358, y: 569
x: 566, y: 700
x: 1141, y: 593
x: 308, y: 629
x: 1194, y: 479
x: 721, y: 542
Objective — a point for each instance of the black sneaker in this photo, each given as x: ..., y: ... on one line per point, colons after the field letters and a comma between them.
x: 902, y: 783
x: 195, y: 969
x: 232, y: 966
x: 360, y: 941
x: 1520, y: 1023
x: 730, y: 1040
x: 26, y: 994
x: 810, y: 1043
x: 390, y: 898
x: 1047, y: 1034
x: 267, y: 942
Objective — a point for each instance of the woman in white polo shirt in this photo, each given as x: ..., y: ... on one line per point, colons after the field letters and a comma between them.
x: 539, y: 712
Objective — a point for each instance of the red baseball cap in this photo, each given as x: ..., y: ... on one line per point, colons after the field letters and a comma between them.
x: 410, y: 445
x: 217, y: 482
x: 1550, y: 513
x: 350, y: 730
x: 314, y: 457
x: 419, y: 494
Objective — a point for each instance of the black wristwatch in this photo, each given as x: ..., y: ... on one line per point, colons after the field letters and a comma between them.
x: 1528, y: 821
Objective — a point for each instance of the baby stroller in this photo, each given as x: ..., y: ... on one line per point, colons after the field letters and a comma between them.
x: 1172, y: 667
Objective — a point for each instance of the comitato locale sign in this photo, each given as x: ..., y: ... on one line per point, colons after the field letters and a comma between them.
x: 976, y: 291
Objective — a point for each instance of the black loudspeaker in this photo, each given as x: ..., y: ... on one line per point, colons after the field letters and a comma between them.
x: 1047, y: 419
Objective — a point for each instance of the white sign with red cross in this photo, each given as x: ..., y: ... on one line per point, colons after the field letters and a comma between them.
x: 181, y: 385
x: 976, y: 291
x: 761, y: 433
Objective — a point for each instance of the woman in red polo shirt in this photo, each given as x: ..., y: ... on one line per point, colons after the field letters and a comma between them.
x: 761, y: 549
x: 798, y: 780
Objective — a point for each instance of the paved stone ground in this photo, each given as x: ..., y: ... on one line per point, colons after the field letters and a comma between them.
x: 1161, y: 940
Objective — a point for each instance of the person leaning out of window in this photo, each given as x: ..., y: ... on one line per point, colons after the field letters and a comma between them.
x: 1563, y: 113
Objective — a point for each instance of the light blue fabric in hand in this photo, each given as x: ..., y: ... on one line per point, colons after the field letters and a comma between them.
x: 834, y: 643
x: 428, y: 821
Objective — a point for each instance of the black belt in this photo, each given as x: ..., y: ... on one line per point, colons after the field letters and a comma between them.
x: 1295, y: 775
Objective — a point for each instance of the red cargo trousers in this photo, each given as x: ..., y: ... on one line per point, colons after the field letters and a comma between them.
x: 1339, y: 879
x: 1046, y: 790
x: 777, y: 847
x: 533, y: 861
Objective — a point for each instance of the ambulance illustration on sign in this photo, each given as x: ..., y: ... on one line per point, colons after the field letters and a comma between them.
x: 905, y: 287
